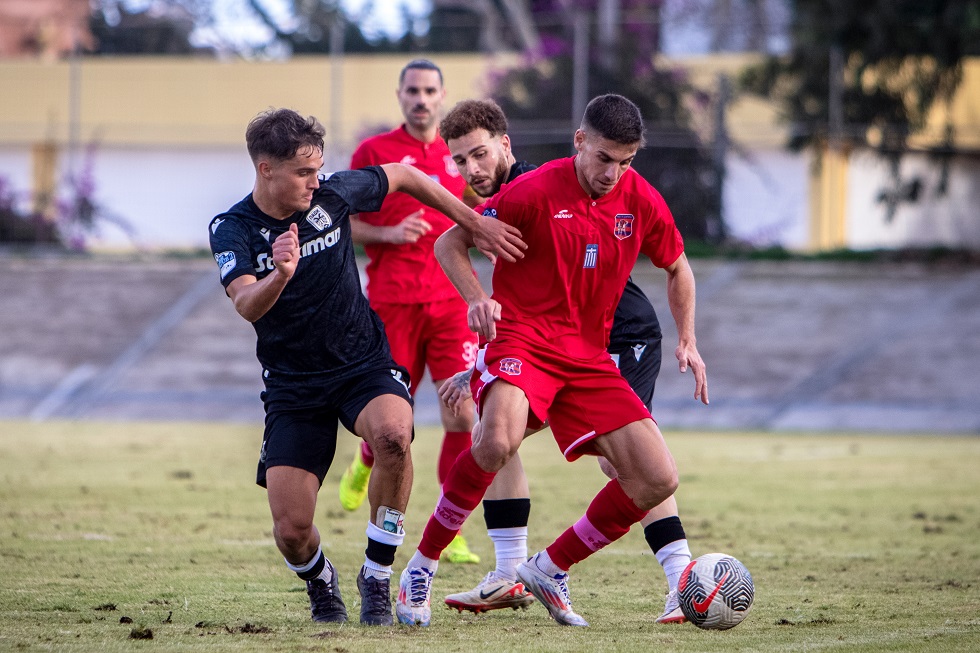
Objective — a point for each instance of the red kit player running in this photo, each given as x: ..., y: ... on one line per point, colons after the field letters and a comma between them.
x: 585, y: 219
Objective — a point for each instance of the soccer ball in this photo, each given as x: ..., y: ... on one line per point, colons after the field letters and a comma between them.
x: 716, y: 591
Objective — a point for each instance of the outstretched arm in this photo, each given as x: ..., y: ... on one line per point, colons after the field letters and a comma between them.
x: 492, y: 237
x: 680, y: 295
x: 452, y: 251
x: 408, y: 231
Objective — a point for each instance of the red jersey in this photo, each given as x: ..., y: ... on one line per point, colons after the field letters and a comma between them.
x: 563, y: 294
x: 408, y: 274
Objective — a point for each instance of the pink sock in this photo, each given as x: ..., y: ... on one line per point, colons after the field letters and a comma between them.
x: 465, y: 485
x: 608, y: 518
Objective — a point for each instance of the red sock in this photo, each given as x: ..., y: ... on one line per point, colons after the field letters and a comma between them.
x: 465, y: 485
x: 607, y: 519
x: 367, y: 456
x: 453, y: 444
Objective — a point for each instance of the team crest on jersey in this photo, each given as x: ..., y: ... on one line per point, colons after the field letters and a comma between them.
x: 510, y: 366
x: 490, y: 213
x: 408, y: 160
x: 591, y: 256
x: 451, y: 168
x: 623, y: 226
x: 226, y: 262
x: 319, y: 218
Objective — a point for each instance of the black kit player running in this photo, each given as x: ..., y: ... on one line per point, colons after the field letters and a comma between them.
x: 323, y: 352
x: 321, y: 337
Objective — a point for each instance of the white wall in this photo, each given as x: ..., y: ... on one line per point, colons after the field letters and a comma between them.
x: 951, y: 220
x: 766, y: 198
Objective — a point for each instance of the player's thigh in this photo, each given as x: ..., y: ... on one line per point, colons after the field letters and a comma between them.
x: 378, y: 408
x: 305, y: 439
x: 502, y: 426
x: 644, y: 466
x: 450, y: 346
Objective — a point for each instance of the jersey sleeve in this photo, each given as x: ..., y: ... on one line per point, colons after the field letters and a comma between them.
x: 229, y: 245
x: 364, y: 190
x: 662, y: 241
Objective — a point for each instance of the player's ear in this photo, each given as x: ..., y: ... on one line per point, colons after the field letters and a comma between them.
x: 505, y: 143
x: 579, y: 140
x: 264, y: 168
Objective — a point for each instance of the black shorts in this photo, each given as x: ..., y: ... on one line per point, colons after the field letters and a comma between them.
x: 640, y: 366
x: 301, y: 419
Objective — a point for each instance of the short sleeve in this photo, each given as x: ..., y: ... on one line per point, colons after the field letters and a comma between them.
x: 229, y: 245
x: 364, y: 190
x: 662, y: 241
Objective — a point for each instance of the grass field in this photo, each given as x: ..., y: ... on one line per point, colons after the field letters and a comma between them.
x: 112, y: 532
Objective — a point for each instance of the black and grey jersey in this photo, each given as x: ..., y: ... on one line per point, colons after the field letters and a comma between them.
x: 635, y: 320
x: 322, y: 323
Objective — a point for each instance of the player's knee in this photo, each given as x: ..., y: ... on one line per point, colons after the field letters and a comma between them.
x: 292, y: 534
x: 391, y: 443
x: 492, y: 453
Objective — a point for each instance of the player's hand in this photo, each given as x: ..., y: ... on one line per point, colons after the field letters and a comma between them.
x: 495, y: 238
x: 482, y: 317
x: 410, y: 229
x: 688, y: 356
x: 455, y: 391
x: 285, y: 251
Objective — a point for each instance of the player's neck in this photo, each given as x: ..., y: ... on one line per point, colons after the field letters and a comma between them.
x: 427, y: 135
x: 268, y: 205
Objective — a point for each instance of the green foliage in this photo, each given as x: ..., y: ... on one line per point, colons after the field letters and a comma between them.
x: 112, y: 531
x: 900, y: 58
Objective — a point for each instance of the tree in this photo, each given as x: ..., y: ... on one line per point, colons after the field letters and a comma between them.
x: 538, y: 99
x: 888, y: 61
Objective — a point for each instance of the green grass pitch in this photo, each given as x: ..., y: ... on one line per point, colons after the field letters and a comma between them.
x: 114, y: 532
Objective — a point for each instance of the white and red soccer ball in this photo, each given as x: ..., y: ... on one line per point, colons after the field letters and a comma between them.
x: 715, y: 591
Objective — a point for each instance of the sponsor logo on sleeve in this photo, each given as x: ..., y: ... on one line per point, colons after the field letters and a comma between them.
x: 623, y: 226
x: 319, y: 218
x: 226, y: 262
x: 591, y: 256
x: 511, y: 366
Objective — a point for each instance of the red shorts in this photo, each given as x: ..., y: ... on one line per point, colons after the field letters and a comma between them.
x: 434, y: 334
x: 580, y: 399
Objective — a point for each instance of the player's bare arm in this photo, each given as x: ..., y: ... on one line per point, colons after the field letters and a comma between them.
x: 253, y: 297
x: 412, y: 227
x: 491, y: 237
x: 681, y: 297
x: 452, y: 250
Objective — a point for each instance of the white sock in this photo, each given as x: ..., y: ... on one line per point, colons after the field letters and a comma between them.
x: 673, y: 558
x: 419, y: 560
x: 326, y: 574
x: 545, y: 564
x: 510, y: 549
x: 373, y: 569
